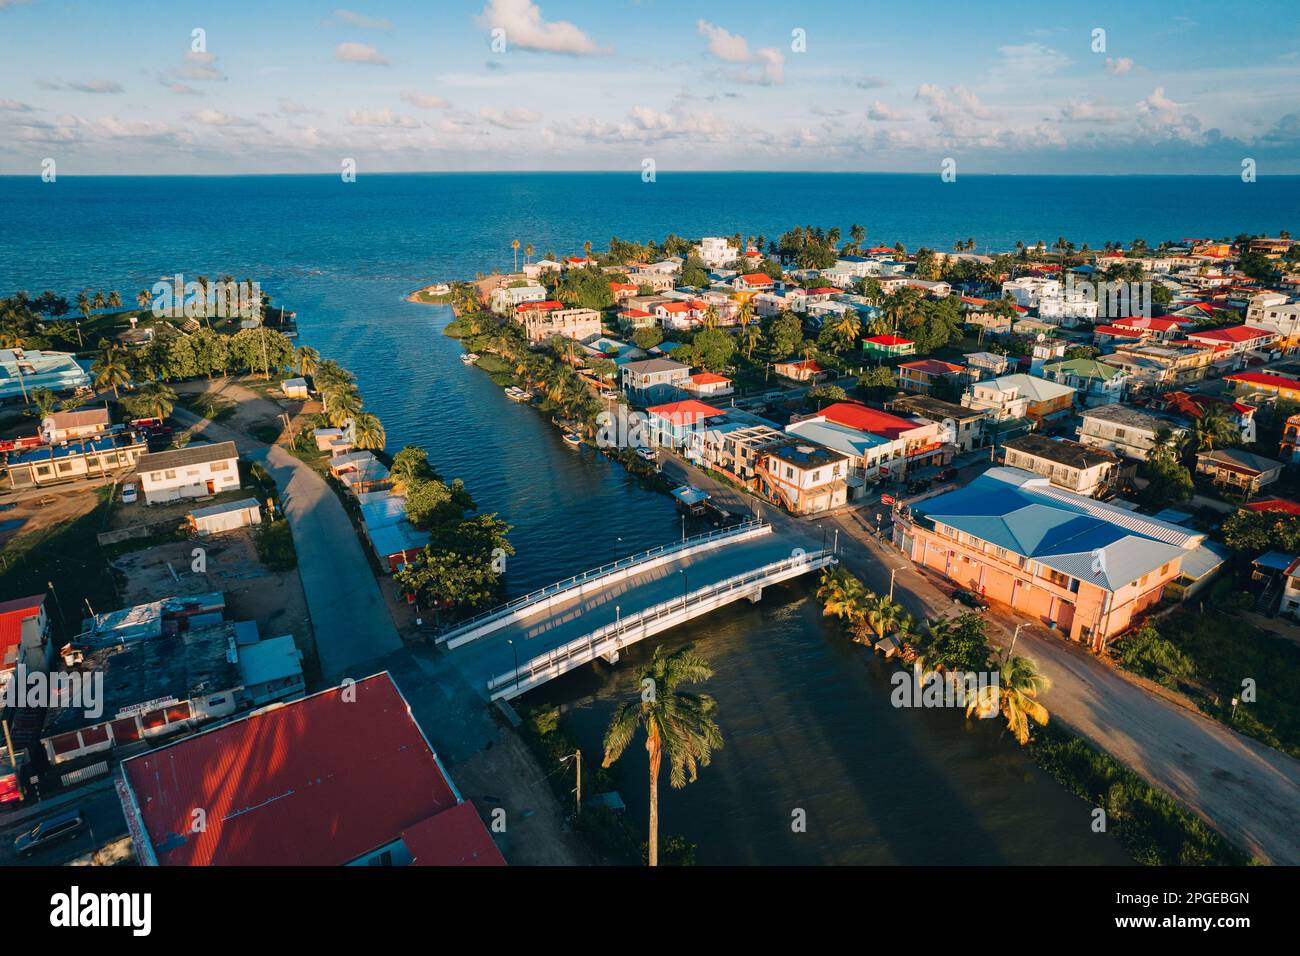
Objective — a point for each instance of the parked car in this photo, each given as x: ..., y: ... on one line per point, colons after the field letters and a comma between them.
x: 970, y: 599
x: 646, y: 454
x: 947, y: 474
x: 129, y: 494
x: 49, y: 831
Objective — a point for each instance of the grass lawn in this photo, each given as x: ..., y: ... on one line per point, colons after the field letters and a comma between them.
x: 207, y: 405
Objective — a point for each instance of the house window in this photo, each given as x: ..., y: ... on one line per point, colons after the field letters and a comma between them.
x: 169, y: 474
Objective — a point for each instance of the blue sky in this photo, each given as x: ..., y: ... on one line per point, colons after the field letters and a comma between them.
x: 292, y: 86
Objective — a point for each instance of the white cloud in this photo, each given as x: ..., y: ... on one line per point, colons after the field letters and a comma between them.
x: 512, y: 118
x: 218, y: 118
x: 1118, y: 67
x: 91, y: 86
x: 732, y: 48
x: 13, y: 106
x: 179, y: 88
x: 1081, y: 111
x: 884, y: 113
x: 199, y: 66
x: 526, y: 30
x: 1030, y: 60
x: 290, y: 107
x: 362, y: 21
x: 1160, y: 115
x: 425, y: 101
x: 953, y: 111
x: 359, y: 53
x: 382, y: 118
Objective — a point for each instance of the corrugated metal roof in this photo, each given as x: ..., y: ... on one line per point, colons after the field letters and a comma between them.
x: 317, y: 782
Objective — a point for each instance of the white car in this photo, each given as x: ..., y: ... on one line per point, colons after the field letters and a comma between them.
x: 129, y: 494
x: 646, y: 454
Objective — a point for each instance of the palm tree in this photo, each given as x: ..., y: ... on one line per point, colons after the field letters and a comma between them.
x: 711, y: 317
x: 155, y: 400
x: 1015, y: 697
x: 308, y: 359
x: 847, y: 327
x: 678, y: 725
x: 83, y: 305
x: 750, y: 335
x: 368, y: 431
x: 342, y: 402
x: 98, y: 300
x: 1214, y: 428
x: 110, y: 369
x: 881, y: 614
x: 114, y: 300
x: 528, y: 253
x: 843, y: 596
x: 514, y: 244
x: 143, y: 298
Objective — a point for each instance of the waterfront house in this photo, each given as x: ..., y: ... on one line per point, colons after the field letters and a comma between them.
x: 353, y: 765
x: 59, y: 427
x: 1126, y: 431
x: 389, y: 532
x: 803, y: 478
x: 1070, y: 465
x: 671, y: 424
x: 336, y: 441
x: 195, y: 471
x: 654, y: 379
x: 1267, y: 385
x: 921, y: 377
x: 903, y: 444
x: 97, y: 457
x: 959, y: 426
x: 295, y: 388
x: 1237, y: 469
x: 1097, y: 383
x: 888, y: 346
x: 542, y: 325
x: 22, y: 371
x: 1084, y: 568
x: 805, y: 370
x: 1021, y: 396
x: 504, y: 299
x: 360, y: 472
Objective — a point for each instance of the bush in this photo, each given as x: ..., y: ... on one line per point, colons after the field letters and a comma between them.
x: 275, y: 546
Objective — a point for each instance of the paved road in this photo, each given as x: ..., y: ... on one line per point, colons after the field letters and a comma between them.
x: 348, y: 614
x: 98, y: 801
x: 1244, y: 789
x: 568, y: 619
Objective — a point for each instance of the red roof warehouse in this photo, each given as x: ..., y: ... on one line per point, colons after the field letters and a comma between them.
x: 343, y: 776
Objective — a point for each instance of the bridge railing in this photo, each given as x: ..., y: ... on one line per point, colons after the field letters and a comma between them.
x: 514, y: 604
x: 588, y: 646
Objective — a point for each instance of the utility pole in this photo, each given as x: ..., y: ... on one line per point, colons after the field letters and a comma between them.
x: 892, y: 572
x: 1013, y: 639
x: 578, y: 804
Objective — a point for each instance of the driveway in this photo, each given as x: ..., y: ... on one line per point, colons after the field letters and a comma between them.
x: 1246, y: 790
x: 348, y: 613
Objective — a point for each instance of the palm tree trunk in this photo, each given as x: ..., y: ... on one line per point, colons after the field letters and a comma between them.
x: 656, y: 754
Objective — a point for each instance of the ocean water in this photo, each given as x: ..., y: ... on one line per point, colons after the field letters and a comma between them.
x: 805, y: 714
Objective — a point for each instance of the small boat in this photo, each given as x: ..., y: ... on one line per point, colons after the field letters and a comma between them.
x: 515, y: 393
x: 469, y: 358
x: 572, y: 438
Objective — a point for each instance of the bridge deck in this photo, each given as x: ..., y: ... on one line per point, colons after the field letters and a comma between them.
x: 571, y: 617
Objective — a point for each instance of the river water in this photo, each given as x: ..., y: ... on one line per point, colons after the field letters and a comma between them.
x: 805, y: 714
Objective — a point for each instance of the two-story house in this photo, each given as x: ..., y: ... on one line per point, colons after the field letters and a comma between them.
x: 195, y: 471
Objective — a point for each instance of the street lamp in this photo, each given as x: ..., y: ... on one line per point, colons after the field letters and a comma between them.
x: 1013, y: 639
x: 515, y: 650
x: 685, y: 584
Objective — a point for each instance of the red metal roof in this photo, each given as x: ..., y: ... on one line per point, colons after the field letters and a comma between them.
x: 455, y: 837
x: 12, y: 615
x: 708, y: 378
x: 690, y: 410
x: 317, y: 782
x: 866, y: 419
x: 546, y: 306
x: 1237, y: 333
x: 1260, y: 378
x: 756, y: 278
x: 932, y: 366
x: 889, y: 340
x: 1141, y: 322
x: 1274, y: 504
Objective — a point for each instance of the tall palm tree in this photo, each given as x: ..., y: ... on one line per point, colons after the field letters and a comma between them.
x: 110, y: 369
x: 84, y: 305
x: 750, y: 335
x: 528, y: 253
x: 711, y: 317
x: 514, y: 244
x: 114, y: 300
x: 143, y: 298
x: 369, y: 431
x: 98, y: 300
x: 881, y: 614
x: 1015, y: 697
x: 678, y: 725
x: 308, y: 359
x: 842, y: 595
x: 342, y: 402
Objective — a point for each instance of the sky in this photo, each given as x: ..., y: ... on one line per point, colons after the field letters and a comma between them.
x: 288, y: 86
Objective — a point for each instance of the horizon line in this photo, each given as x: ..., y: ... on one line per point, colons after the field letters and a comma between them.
x: 636, y: 173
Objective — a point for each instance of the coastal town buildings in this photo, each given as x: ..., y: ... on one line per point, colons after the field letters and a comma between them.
x: 61, y: 427
x: 1127, y: 431
x: 1020, y: 396
x: 925, y: 375
x: 98, y: 457
x: 1085, y: 569
x: 960, y: 427
x: 803, y: 478
x: 1095, y: 382
x: 654, y: 379
x: 505, y: 299
x: 1069, y: 465
x: 542, y: 321
x: 22, y: 371
x: 1238, y: 469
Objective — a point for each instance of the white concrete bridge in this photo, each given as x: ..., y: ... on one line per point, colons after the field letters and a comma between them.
x: 522, y: 644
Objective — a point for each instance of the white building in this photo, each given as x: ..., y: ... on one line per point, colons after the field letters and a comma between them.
x: 66, y: 426
x: 505, y: 298
x: 716, y: 251
x: 196, y: 471
x: 1124, y: 430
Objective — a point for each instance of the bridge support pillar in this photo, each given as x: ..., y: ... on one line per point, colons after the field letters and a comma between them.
x: 610, y: 657
x: 756, y: 596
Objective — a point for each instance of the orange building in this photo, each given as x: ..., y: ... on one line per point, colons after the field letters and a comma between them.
x: 1085, y: 568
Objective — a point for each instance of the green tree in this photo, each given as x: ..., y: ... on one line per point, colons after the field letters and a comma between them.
x: 110, y: 369
x: 713, y: 349
x: 956, y: 644
x: 679, y: 725
x: 784, y: 335
x: 369, y: 431
x: 648, y: 337
x: 1168, y: 482
x: 1015, y: 697
x: 155, y: 400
